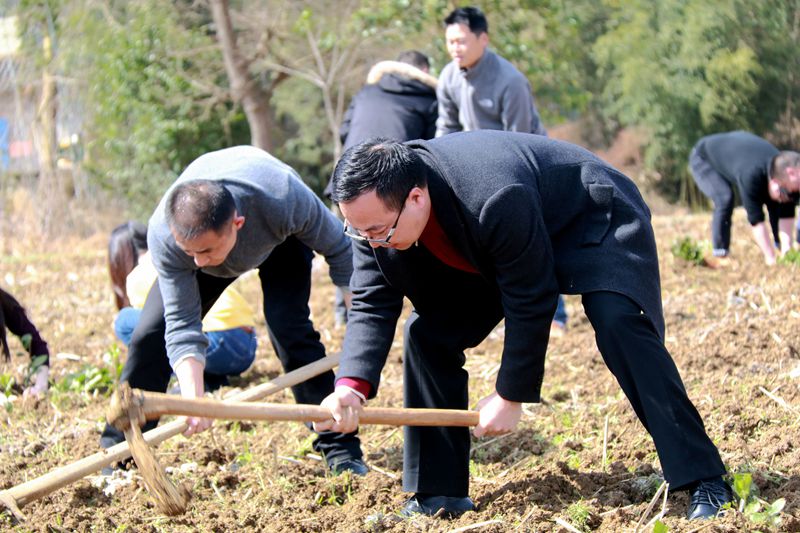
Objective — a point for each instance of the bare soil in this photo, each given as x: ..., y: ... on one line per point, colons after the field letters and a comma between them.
x: 580, y: 457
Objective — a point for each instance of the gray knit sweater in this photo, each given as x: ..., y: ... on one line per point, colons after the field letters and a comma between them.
x: 491, y: 95
x: 276, y: 205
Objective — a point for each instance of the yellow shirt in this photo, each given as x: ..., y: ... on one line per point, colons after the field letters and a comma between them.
x: 230, y: 311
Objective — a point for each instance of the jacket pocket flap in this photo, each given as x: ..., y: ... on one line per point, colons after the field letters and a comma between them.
x: 598, y: 216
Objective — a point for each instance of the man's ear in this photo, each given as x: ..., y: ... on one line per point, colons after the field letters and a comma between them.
x: 483, y: 39
x: 777, y: 191
x: 416, y: 195
x: 238, y: 221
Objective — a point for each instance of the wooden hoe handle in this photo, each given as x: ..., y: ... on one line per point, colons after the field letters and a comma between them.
x: 152, y: 405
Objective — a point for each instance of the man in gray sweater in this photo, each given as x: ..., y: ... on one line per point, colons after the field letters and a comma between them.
x: 478, y: 89
x: 232, y: 211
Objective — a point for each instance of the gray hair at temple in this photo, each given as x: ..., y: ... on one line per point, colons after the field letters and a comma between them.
x: 784, y: 160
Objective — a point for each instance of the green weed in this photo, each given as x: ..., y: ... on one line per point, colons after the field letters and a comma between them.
x: 792, y: 257
x: 579, y: 515
x: 246, y: 457
x: 307, y: 446
x: 7, y: 383
x: 689, y: 250
x: 36, y: 363
x: 92, y: 379
x: 336, y: 490
x: 574, y: 460
x: 660, y: 527
x: 755, y: 509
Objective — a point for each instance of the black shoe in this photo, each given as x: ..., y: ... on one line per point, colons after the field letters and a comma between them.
x: 355, y: 466
x: 430, y: 505
x: 708, y: 497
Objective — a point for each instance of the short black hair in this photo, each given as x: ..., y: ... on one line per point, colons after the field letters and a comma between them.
x: 469, y: 16
x: 390, y: 168
x: 197, y: 206
x: 414, y: 58
x: 782, y: 161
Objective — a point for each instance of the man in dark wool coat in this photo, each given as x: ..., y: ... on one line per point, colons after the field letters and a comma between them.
x: 483, y: 226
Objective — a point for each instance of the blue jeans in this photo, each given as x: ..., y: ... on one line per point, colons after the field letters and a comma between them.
x: 230, y: 352
x: 561, y: 312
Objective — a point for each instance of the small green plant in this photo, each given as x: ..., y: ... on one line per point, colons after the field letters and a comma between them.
x: 89, y: 379
x: 36, y: 363
x: 307, y: 446
x: 792, y: 257
x: 755, y: 509
x: 336, y: 490
x: 579, y: 515
x: 246, y: 457
x: 113, y: 359
x: 574, y: 460
x: 660, y: 527
x: 689, y: 250
x: 94, y: 379
x: 7, y: 383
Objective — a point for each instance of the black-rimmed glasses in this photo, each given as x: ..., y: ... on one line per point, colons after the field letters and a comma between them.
x: 353, y: 233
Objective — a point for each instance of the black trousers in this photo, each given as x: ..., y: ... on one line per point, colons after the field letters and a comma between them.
x: 286, y: 283
x: 436, y: 459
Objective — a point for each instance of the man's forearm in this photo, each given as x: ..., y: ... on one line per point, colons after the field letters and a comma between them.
x: 190, y: 377
x: 785, y: 231
x: 764, y: 241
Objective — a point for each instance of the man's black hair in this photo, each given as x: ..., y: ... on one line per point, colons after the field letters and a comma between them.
x: 197, y: 206
x: 469, y: 16
x: 390, y: 168
x: 414, y: 58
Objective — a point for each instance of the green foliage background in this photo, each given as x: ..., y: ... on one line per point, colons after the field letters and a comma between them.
x: 156, y: 92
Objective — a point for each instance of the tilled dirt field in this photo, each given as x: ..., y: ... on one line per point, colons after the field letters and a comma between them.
x: 580, y: 458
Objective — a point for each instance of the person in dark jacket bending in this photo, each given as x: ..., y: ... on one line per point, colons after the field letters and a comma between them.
x: 14, y: 317
x: 398, y: 102
x: 484, y: 226
x: 396, y: 106
x: 763, y: 175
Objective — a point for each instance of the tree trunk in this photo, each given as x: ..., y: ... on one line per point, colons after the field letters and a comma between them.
x: 50, y: 193
x: 254, y: 100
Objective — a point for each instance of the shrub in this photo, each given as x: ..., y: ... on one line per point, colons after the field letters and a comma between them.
x: 689, y: 250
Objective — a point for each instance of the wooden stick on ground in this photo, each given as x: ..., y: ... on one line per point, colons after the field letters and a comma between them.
x: 20, y: 495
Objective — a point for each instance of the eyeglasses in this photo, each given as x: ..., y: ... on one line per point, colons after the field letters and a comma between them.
x: 353, y: 233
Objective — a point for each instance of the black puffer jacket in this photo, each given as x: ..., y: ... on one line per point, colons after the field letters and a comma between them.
x: 396, y: 108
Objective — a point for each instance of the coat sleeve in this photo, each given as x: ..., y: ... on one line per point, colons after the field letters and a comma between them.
x: 447, y: 121
x: 344, y: 129
x: 513, y: 233
x: 752, y: 197
x: 517, y: 107
x: 182, y: 308
x: 16, y: 320
x: 314, y: 225
x: 431, y: 117
x: 371, y: 320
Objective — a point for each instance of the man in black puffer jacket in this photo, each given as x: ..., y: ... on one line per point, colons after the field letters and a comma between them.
x: 398, y: 102
x: 400, y: 105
